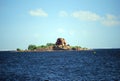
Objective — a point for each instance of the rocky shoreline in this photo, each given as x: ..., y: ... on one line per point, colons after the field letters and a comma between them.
x: 49, y: 50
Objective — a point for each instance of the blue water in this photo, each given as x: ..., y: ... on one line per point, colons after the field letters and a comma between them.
x: 97, y: 65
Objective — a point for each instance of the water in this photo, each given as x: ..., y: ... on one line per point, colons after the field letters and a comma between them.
x: 97, y: 65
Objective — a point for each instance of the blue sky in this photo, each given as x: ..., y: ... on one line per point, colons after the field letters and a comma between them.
x: 87, y: 23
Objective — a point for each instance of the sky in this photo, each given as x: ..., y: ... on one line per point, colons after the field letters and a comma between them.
x: 85, y: 23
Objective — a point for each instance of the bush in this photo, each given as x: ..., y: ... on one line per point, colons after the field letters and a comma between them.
x: 18, y: 49
x: 73, y: 48
x: 42, y: 46
x: 50, y: 44
x: 76, y: 47
x: 32, y: 47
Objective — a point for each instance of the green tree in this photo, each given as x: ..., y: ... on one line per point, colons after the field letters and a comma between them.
x: 18, y: 49
x: 38, y: 47
x: 43, y: 46
x: 50, y: 44
x: 76, y: 47
x: 32, y: 47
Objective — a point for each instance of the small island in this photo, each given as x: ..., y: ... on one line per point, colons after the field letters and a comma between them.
x: 59, y: 45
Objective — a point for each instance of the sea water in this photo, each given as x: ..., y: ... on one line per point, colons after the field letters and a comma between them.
x: 91, y: 65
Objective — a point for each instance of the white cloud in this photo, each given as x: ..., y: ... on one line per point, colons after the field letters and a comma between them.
x: 109, y: 16
x: 86, y: 15
x: 38, y: 12
x: 110, y: 20
x: 63, y: 13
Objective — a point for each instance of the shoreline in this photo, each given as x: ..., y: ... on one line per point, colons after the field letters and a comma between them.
x: 44, y: 50
x: 60, y: 50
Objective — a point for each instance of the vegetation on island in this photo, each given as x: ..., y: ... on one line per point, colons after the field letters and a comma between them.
x: 18, y: 49
x: 41, y: 47
x: 59, y: 45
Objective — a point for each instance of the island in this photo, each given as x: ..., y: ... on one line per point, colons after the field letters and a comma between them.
x: 59, y: 45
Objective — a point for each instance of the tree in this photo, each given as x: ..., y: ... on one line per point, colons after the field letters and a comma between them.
x: 50, y: 44
x: 18, y: 49
x: 43, y: 46
x: 32, y: 47
x: 76, y: 47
